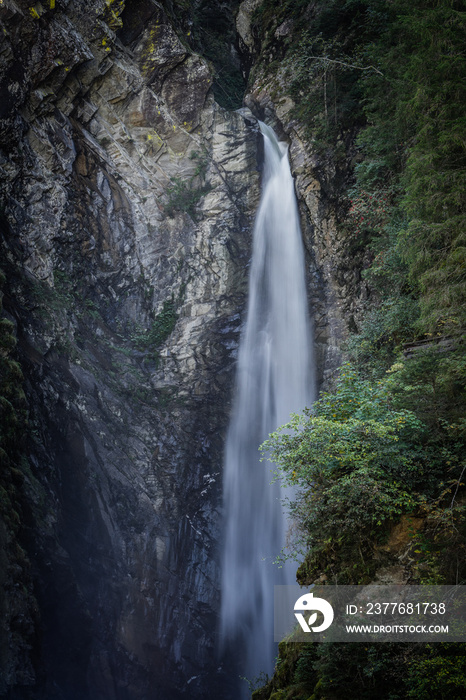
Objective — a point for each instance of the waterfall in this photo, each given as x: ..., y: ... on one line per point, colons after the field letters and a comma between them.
x: 274, y: 378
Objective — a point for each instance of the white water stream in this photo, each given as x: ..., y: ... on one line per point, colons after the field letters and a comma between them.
x: 274, y: 378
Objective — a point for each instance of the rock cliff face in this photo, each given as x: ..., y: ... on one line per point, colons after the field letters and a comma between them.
x: 127, y: 203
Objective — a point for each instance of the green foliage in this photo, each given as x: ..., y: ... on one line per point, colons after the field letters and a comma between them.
x: 255, y: 683
x: 369, y: 452
x: 184, y: 195
x: 324, y: 54
x: 440, y: 548
x: 433, y: 383
x: 362, y: 671
x: 392, y: 312
x: 284, y: 677
x: 368, y: 671
x: 161, y: 328
x: 305, y: 675
x: 324, y: 85
x: 416, y: 129
x: 385, y: 328
x: 439, y: 672
x: 389, y: 439
x: 400, y: 68
x: 353, y: 459
x: 435, y: 70
x: 376, y: 217
x: 92, y: 309
x: 370, y: 209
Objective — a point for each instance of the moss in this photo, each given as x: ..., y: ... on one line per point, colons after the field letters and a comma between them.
x: 149, y: 49
x: 112, y: 14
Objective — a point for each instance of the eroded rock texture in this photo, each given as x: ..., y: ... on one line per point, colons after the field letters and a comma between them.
x: 127, y: 198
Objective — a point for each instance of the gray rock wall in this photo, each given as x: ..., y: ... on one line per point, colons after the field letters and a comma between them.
x: 128, y: 196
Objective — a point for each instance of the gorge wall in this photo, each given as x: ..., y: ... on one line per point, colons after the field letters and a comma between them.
x: 336, y: 290
x: 128, y: 196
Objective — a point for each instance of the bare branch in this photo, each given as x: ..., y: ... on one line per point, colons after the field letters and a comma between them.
x: 457, y: 487
x: 343, y: 63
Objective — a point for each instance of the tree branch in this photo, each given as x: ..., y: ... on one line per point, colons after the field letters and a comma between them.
x: 343, y: 63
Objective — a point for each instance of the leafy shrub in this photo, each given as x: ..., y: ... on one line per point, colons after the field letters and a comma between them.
x: 184, y: 195
x: 353, y: 460
x: 161, y: 328
x: 439, y: 672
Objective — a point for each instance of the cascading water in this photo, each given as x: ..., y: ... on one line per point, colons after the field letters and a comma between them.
x: 275, y: 378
